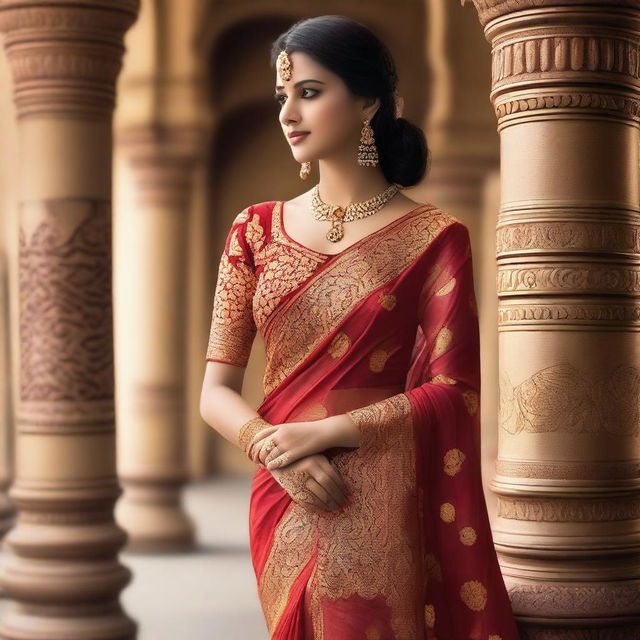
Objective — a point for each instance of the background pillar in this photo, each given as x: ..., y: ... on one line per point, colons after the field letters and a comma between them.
x: 62, y: 570
x: 565, y: 91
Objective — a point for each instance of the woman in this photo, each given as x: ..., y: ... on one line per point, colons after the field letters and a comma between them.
x: 367, y: 517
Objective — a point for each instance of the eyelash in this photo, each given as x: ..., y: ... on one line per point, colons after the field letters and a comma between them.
x: 277, y: 96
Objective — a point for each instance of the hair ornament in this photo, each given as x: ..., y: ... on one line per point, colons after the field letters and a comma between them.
x: 284, y: 65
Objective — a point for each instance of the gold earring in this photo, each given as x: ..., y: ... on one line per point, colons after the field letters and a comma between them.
x: 305, y: 170
x: 367, y: 152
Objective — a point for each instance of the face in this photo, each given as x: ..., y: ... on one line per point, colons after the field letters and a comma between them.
x: 318, y: 101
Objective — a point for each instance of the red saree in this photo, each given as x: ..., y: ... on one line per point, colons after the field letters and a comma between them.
x: 388, y: 331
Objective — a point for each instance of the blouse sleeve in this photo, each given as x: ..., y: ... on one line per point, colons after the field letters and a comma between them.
x: 232, y: 323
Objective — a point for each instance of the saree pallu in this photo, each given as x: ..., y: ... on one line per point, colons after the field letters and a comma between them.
x: 388, y: 331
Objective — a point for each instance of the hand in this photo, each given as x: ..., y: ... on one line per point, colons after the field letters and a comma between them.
x: 314, y: 483
x: 296, y: 440
x: 292, y: 440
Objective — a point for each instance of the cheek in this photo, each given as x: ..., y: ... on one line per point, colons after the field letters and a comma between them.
x: 330, y: 118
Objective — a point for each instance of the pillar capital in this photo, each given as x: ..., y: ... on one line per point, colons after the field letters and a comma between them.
x: 490, y: 10
x: 65, y: 57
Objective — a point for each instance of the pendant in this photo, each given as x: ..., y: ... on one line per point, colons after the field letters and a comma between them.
x: 337, y: 228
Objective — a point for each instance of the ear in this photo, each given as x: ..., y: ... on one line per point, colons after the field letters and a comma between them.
x: 370, y: 107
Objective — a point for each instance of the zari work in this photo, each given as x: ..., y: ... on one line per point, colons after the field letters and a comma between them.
x: 385, y: 332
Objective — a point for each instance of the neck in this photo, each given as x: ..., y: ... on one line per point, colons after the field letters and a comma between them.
x: 343, y: 181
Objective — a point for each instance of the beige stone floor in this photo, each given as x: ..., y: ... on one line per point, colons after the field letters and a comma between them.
x: 209, y: 594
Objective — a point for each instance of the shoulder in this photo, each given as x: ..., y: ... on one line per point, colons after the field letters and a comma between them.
x: 252, y: 226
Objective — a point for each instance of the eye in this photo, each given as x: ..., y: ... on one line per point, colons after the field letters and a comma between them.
x: 278, y: 96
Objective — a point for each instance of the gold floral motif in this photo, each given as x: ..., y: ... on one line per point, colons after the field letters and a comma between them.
x: 232, y: 325
x: 339, y: 345
x: 432, y: 567
x: 290, y: 551
x: 234, y: 245
x: 373, y: 633
x: 444, y: 379
x: 283, y: 270
x: 447, y: 288
x: 255, y: 233
x: 241, y: 217
x: 474, y: 595
x: 443, y: 341
x: 447, y: 512
x: 471, y: 401
x: 430, y: 616
x: 468, y: 536
x: 378, y: 359
x: 370, y: 548
x: 453, y: 460
x: 323, y: 302
x: 387, y: 300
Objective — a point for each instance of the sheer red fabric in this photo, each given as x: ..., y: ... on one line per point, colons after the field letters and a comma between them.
x: 387, y: 331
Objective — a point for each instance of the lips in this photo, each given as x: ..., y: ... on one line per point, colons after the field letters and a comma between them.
x: 296, y: 137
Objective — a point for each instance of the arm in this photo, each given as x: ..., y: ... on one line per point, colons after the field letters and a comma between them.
x: 230, y: 340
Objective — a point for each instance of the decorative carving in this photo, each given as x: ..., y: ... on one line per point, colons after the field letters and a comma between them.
x: 554, y: 312
x: 65, y: 301
x: 572, y: 278
x: 579, y: 235
x: 562, y: 398
x: 564, y: 470
x: 66, y: 59
x: 568, y: 510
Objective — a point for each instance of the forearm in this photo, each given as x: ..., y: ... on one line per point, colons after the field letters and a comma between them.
x: 226, y: 411
x: 344, y: 431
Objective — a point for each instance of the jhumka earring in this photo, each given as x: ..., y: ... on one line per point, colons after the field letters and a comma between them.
x: 367, y: 152
x: 305, y: 170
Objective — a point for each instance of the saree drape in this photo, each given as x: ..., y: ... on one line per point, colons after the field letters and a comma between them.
x: 386, y: 330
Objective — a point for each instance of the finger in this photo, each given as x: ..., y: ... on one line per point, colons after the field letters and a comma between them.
x: 278, y: 459
x: 322, y: 494
x: 327, y: 480
x: 263, y: 434
x: 334, y: 475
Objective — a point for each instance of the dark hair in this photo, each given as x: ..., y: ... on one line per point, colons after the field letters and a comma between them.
x: 361, y: 59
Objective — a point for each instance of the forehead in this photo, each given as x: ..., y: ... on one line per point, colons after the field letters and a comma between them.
x: 303, y: 67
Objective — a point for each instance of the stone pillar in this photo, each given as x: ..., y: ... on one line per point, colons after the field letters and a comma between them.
x: 152, y: 439
x: 162, y: 139
x: 566, y: 95
x: 62, y: 570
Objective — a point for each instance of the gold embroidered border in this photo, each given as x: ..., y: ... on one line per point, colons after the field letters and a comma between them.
x: 371, y: 548
x: 303, y: 322
x: 290, y: 551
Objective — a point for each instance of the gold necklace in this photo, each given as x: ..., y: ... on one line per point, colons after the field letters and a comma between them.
x: 354, y: 211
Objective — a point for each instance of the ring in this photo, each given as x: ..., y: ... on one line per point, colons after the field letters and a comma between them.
x: 269, y: 446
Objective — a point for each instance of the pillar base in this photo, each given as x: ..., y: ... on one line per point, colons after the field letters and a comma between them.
x: 27, y: 624
x: 629, y: 631
x: 154, y: 519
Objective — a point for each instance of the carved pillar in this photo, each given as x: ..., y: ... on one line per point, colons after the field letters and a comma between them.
x: 162, y: 140
x: 152, y: 439
x: 62, y: 569
x: 566, y: 94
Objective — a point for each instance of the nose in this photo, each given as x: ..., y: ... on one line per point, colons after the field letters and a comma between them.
x: 288, y: 114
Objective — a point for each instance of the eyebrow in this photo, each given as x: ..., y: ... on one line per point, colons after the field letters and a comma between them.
x: 297, y: 84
